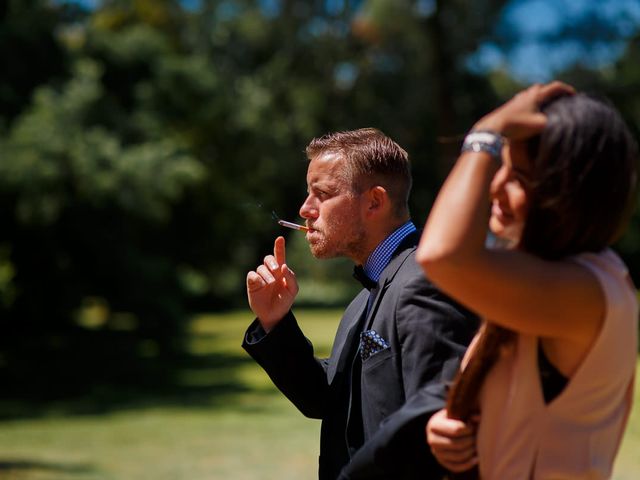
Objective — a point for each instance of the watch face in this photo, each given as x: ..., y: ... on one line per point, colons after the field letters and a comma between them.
x: 483, y: 142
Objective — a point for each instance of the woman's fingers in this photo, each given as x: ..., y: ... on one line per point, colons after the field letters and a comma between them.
x: 553, y: 89
x: 520, y: 117
x: 452, y: 441
x: 461, y: 466
x: 441, y: 424
x: 458, y: 455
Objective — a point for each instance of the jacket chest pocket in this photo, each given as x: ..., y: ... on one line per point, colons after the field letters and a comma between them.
x: 382, y: 391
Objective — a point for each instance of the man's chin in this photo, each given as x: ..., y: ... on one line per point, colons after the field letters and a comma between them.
x: 321, y: 253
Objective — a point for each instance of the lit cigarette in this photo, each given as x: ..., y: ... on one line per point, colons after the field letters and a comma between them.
x: 292, y: 225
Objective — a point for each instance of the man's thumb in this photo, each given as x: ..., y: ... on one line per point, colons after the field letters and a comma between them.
x: 290, y: 279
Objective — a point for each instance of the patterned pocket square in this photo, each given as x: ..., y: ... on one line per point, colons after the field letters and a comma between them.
x: 371, y: 342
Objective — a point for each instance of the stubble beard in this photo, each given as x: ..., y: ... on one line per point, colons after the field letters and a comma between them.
x: 337, y: 243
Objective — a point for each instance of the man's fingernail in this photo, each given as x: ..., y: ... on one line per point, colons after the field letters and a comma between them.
x: 273, y: 265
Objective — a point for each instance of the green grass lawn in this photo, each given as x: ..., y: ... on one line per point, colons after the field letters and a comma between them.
x: 237, y: 426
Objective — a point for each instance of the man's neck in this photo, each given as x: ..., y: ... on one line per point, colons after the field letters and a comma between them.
x: 384, y: 252
x: 375, y: 238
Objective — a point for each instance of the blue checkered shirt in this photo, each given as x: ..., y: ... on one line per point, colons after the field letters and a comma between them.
x: 381, y: 256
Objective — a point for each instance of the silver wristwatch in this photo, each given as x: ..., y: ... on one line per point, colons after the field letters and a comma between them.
x: 484, y: 141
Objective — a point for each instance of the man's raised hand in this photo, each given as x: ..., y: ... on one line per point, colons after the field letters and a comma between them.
x: 272, y: 287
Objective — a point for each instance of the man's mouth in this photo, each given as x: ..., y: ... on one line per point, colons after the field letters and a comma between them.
x: 312, y: 233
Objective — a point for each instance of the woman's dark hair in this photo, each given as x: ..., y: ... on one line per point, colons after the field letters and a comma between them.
x: 584, y: 172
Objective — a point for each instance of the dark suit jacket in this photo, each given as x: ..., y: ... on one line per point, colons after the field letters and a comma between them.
x: 383, y: 434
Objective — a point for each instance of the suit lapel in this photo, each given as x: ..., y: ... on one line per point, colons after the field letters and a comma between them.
x: 349, y: 327
x: 401, y: 254
x: 351, y: 323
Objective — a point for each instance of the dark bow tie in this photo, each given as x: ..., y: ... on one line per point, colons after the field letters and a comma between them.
x: 358, y: 274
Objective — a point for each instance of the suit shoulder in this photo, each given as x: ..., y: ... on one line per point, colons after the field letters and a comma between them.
x: 411, y: 272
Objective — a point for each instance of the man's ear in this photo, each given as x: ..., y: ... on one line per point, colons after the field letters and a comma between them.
x: 378, y: 200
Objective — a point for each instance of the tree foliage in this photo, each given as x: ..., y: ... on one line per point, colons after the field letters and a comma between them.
x: 145, y: 143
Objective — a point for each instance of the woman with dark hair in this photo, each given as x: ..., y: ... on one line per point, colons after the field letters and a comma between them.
x: 546, y: 386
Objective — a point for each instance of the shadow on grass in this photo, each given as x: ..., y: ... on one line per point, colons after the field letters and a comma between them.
x: 93, y: 376
x: 22, y: 466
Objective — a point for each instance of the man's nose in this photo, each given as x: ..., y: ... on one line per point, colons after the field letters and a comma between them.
x: 308, y: 209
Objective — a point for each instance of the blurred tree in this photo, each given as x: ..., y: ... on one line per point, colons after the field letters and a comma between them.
x: 144, y: 145
x: 416, y: 82
x: 87, y: 211
x: 30, y: 53
x: 89, y: 189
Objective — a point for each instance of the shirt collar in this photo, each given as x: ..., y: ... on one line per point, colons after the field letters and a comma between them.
x: 381, y: 256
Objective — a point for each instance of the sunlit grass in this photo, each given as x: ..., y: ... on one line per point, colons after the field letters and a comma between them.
x: 246, y: 432
x: 167, y: 443
x: 239, y: 427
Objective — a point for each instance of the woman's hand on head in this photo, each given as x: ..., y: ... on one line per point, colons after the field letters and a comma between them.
x: 520, y: 117
x: 452, y: 442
